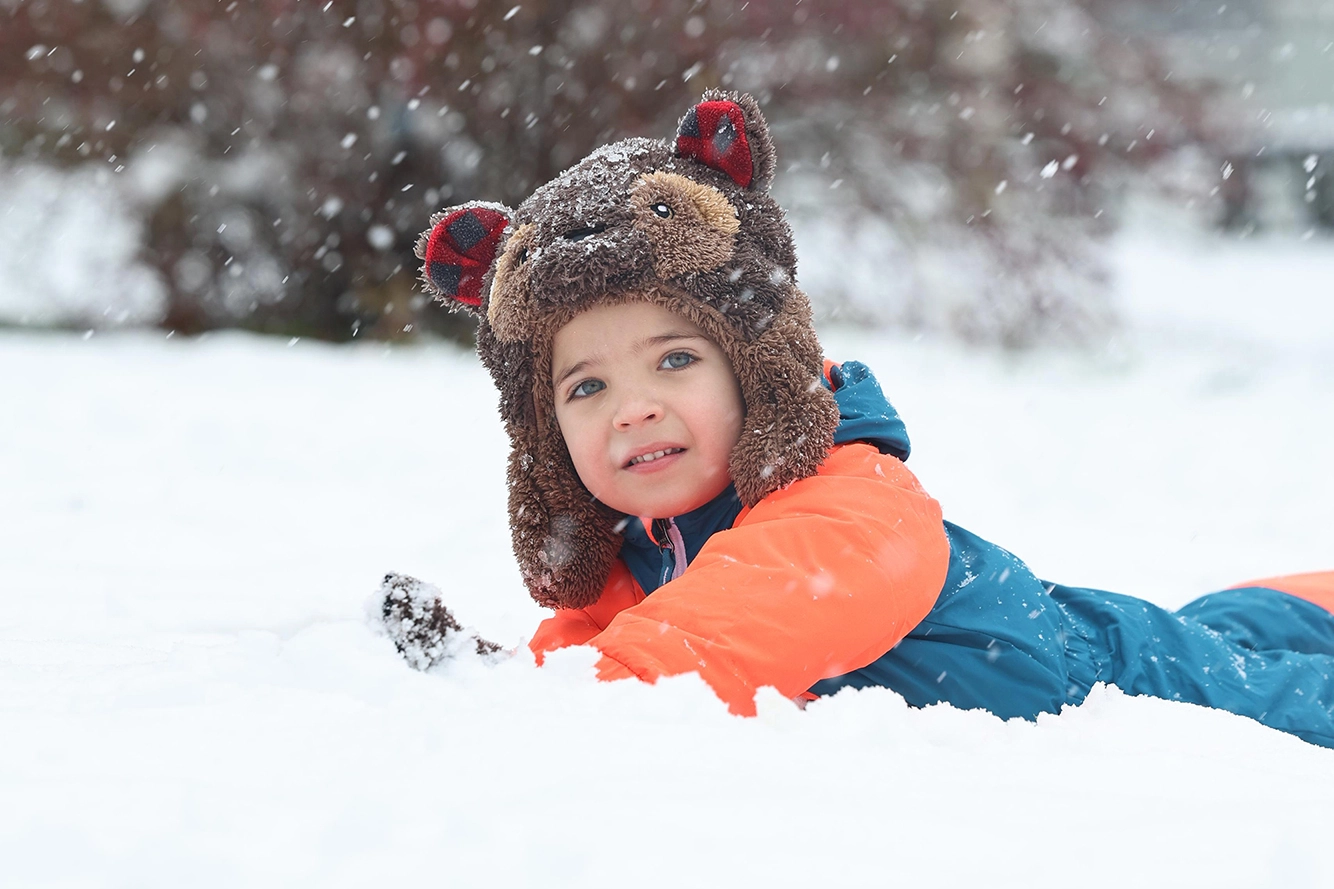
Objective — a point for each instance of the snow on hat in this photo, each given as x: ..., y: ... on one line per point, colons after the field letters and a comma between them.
x: 687, y: 224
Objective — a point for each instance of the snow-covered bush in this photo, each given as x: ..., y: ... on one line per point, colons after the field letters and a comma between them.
x: 70, y: 245
x: 969, y: 153
x: 972, y: 182
x: 1045, y: 283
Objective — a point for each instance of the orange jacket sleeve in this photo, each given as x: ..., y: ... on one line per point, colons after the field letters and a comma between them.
x: 817, y: 579
x: 578, y: 626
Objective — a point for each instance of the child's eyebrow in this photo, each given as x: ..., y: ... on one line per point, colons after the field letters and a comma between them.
x: 572, y: 370
x: 646, y: 343
x: 663, y: 338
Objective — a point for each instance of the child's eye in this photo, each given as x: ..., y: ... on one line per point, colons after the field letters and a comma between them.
x: 587, y: 388
x: 677, y: 360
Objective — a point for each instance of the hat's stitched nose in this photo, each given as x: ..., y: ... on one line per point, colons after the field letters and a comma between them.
x: 579, y: 234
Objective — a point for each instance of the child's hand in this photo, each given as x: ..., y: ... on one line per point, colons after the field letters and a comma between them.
x: 420, y: 626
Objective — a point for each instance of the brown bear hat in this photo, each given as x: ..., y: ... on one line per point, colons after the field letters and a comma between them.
x: 687, y: 224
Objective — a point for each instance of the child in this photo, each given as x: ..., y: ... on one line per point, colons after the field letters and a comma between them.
x: 693, y: 489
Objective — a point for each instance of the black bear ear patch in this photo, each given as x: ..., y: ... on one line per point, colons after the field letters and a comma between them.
x: 714, y: 133
x: 459, y: 250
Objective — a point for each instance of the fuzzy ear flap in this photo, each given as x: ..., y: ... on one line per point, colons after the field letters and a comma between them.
x: 727, y: 132
x: 459, y: 249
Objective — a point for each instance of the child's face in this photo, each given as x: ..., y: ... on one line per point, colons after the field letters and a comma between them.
x: 633, y: 380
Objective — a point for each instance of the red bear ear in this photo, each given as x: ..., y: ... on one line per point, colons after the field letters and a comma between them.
x: 714, y: 133
x: 459, y: 249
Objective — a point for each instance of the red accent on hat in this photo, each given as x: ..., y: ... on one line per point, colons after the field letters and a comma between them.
x: 714, y: 133
x: 461, y: 249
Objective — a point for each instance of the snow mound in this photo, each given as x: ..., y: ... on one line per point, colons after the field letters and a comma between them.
x: 192, y: 694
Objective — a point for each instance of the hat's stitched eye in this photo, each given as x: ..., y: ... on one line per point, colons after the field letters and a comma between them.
x: 579, y: 234
x: 662, y: 209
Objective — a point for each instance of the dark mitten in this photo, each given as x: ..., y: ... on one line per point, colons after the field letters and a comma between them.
x: 421, y: 627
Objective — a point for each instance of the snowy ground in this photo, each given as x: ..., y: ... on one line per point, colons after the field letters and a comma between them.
x: 189, y: 695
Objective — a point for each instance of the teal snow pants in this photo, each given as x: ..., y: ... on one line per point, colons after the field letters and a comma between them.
x: 1000, y: 639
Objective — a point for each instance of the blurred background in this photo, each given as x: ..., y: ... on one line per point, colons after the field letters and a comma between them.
x: 956, y: 167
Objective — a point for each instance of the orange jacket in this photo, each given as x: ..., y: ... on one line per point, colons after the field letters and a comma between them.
x: 815, y: 580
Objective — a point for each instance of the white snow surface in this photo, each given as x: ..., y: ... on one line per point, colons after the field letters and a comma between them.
x: 192, y: 696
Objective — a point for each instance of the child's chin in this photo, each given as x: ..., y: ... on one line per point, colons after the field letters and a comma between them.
x: 665, y: 507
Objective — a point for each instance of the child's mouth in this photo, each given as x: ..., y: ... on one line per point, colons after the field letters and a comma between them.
x: 654, y: 455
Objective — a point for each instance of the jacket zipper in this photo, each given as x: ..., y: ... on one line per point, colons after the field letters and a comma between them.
x: 672, y: 546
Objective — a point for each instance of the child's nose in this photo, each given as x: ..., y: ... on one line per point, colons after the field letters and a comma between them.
x: 634, y: 411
